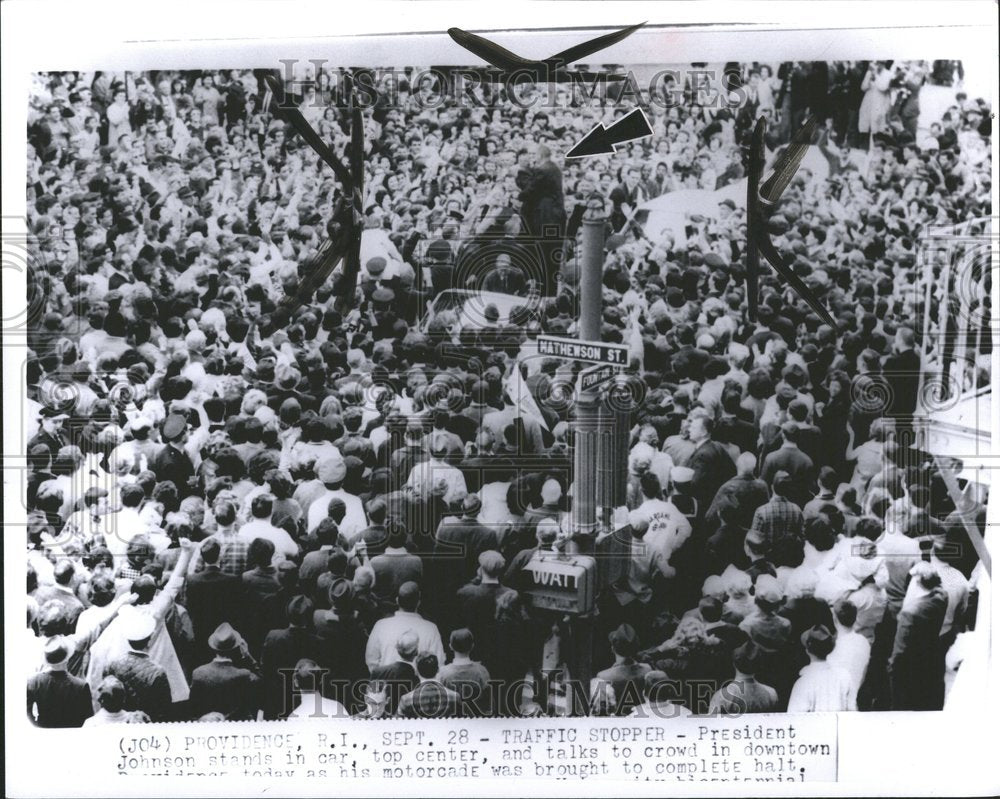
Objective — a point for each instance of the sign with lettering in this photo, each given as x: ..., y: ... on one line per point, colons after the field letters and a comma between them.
x: 562, y: 583
x: 595, y: 375
x: 590, y: 351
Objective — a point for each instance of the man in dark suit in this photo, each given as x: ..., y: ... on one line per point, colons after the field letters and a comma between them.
x: 625, y: 677
x: 376, y: 534
x: 916, y: 666
x: 744, y: 491
x: 55, y: 697
x: 400, y: 677
x: 689, y: 360
x: 431, y: 699
x: 225, y: 685
x: 710, y: 462
x: 281, y: 651
x: 902, y: 372
x: 477, y: 604
x: 146, y: 685
x: 799, y: 466
x: 458, y: 545
x: 396, y: 565
x: 172, y: 462
x: 212, y: 597
x: 544, y: 211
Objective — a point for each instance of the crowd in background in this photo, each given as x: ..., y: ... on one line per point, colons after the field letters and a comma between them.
x: 233, y: 515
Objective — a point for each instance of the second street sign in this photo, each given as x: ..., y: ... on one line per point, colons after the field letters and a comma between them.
x: 595, y: 375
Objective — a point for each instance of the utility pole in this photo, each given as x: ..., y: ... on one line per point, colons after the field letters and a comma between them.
x: 587, y: 414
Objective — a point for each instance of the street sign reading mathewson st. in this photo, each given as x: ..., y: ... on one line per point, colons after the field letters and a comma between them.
x: 588, y: 351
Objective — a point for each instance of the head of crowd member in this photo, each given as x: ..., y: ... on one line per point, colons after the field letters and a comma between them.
x: 408, y: 597
x: 746, y: 660
x: 336, y: 510
x: 701, y: 427
x: 624, y: 642
x: 546, y: 533
x: 342, y: 597
x: 650, y: 486
x: 260, y: 553
x: 102, y: 591
x: 768, y: 595
x: 299, y: 611
x: 904, y: 340
x: 491, y: 566
x: 782, y: 484
x: 337, y: 562
x: 225, y: 513
x: 331, y: 472
x: 53, y: 619
x: 364, y: 580
x: 714, y: 587
x: 818, y: 642
x: 819, y: 534
x: 408, y: 646
x: 64, y: 571
x: 427, y: 666
x: 397, y: 536
x: 461, y: 642
x: 551, y: 493
x: 138, y: 629
x: 111, y: 695
x: 56, y: 652
x: 326, y: 533
x: 926, y: 577
x: 307, y: 677
x: 845, y: 614
x: 261, y: 506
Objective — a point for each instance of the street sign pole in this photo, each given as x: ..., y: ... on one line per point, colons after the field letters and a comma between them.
x: 589, y: 424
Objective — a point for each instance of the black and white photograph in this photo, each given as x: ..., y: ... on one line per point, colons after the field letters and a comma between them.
x: 502, y: 387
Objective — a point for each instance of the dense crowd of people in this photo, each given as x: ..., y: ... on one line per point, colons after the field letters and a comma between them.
x: 232, y: 515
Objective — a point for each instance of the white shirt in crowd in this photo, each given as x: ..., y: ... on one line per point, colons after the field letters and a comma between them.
x: 381, y: 649
x: 355, y: 520
x: 822, y: 687
x: 284, y: 546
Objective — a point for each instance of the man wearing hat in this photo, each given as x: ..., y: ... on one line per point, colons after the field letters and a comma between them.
x: 625, y: 678
x: 146, y: 684
x: 55, y: 697
x: 225, y: 685
x: 172, y: 462
x: 822, y: 687
x: 50, y: 433
x: 764, y: 623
